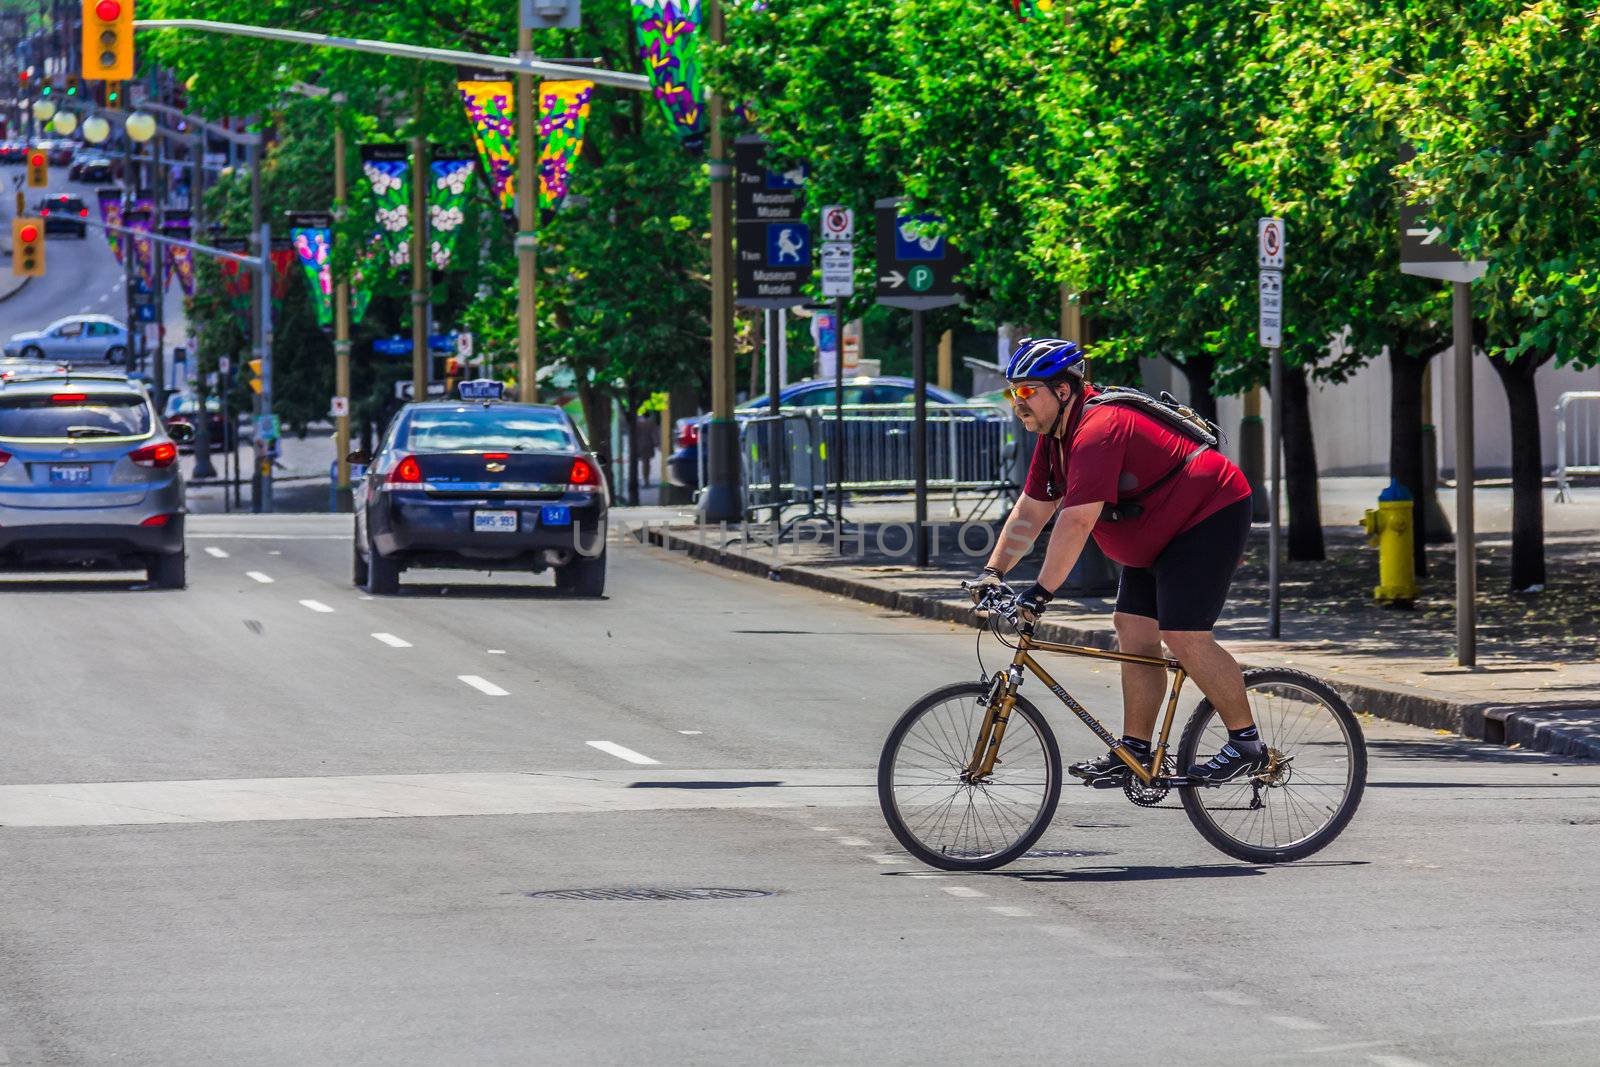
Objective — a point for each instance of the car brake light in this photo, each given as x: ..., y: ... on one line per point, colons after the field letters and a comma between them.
x: 156, y: 520
x: 497, y: 455
x: 44, y: 211
x: 83, y: 213
x: 5, y: 457
x: 158, y: 455
x: 584, y: 473
x: 690, y: 434
x: 408, y: 471
x: 69, y: 398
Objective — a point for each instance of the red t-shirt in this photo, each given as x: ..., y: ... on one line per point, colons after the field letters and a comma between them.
x: 1115, y: 450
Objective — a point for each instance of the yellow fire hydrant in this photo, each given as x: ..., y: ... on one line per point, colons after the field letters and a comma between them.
x: 1390, y: 529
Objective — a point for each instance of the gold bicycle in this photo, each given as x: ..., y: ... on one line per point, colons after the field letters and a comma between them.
x: 965, y: 785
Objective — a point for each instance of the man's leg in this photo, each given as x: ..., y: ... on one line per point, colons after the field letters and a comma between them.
x: 1213, y: 670
x: 1142, y: 687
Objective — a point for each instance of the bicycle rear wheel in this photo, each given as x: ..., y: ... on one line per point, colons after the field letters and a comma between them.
x: 1308, y: 795
x: 957, y: 825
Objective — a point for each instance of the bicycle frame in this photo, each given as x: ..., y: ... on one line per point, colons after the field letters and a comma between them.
x: 1004, y: 697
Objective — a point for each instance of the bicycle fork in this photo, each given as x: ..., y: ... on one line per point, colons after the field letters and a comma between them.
x: 986, y: 750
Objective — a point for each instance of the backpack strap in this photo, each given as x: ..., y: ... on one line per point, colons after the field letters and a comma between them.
x: 1130, y: 508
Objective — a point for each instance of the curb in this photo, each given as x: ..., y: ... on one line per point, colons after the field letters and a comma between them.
x: 26, y: 278
x: 1541, y: 728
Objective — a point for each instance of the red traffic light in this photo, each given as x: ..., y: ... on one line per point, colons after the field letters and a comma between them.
x: 29, y: 233
x: 108, y: 10
x: 36, y: 159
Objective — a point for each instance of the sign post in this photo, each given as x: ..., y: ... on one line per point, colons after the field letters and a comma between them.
x: 1269, y: 249
x: 916, y: 270
x: 1424, y: 255
x: 838, y: 282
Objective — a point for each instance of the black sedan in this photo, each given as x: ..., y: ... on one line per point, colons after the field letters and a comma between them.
x: 481, y: 484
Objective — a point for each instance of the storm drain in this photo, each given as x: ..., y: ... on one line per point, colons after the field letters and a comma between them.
x: 650, y: 893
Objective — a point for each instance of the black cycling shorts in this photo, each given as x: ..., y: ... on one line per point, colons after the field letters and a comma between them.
x: 1188, y: 583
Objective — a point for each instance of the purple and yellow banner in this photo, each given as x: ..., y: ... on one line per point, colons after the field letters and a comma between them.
x: 669, y: 39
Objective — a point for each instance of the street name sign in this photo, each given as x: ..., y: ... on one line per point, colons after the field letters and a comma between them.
x: 773, y: 258
x: 916, y: 267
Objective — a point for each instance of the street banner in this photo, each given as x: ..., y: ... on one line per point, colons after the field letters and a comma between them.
x: 140, y: 215
x: 491, y: 113
x: 563, y: 114
x: 669, y: 40
x: 111, y: 214
x: 236, y: 278
x: 178, y: 259
x: 387, y: 168
x: 311, y: 235
x: 491, y: 109
x: 448, y: 193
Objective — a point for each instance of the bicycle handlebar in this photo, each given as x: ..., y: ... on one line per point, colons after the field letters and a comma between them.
x: 998, y: 598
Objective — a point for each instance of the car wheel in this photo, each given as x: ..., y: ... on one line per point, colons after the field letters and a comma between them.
x: 116, y: 354
x: 383, y: 574
x: 358, y: 566
x: 168, y: 572
x: 33, y: 352
x: 584, y: 576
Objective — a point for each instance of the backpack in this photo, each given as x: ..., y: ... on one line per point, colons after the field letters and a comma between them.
x: 1167, y: 410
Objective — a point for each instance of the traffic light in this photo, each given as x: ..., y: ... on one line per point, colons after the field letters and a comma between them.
x: 255, y: 376
x: 27, y: 246
x: 38, y: 169
x: 72, y: 87
x: 108, y: 40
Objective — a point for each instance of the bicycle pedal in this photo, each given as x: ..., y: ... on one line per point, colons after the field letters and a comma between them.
x: 1106, y: 783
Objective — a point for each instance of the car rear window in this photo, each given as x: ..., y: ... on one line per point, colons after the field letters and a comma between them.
x: 74, y: 414
x: 491, y: 429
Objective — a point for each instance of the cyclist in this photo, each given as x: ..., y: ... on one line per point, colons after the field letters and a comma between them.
x: 1178, y: 548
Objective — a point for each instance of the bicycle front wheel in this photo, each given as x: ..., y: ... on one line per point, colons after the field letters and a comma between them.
x: 1310, y: 790
x: 941, y: 817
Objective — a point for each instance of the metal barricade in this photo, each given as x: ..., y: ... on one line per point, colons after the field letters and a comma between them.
x: 1577, y: 438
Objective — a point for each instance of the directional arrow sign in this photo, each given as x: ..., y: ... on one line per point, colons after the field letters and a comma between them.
x: 917, y: 266
x: 1422, y: 252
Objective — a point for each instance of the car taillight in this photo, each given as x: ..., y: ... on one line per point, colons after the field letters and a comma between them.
x: 158, y: 455
x: 407, y: 472
x: 584, y: 473
x: 83, y: 213
x: 69, y: 398
x: 44, y: 211
x: 689, y: 435
x: 5, y: 457
x: 497, y: 455
x: 157, y: 520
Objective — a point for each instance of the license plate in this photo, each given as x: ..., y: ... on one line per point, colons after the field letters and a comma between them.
x: 69, y: 474
x: 494, y: 522
x: 555, y: 515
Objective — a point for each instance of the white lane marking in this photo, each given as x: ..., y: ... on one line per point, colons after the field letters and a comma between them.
x: 622, y: 753
x: 392, y: 641
x: 1011, y: 913
x: 696, y: 733
x: 1389, y: 1059
x: 483, y: 685
x: 1576, y: 1020
x: 826, y: 829
x: 316, y: 605
x: 886, y: 859
x: 1294, y: 1022
x: 275, y: 552
x: 964, y: 891
x: 854, y: 842
x: 1348, y: 1046
x: 927, y: 876
x: 497, y: 651
x: 103, y: 299
x: 213, y: 550
x: 1228, y: 996
x: 258, y: 576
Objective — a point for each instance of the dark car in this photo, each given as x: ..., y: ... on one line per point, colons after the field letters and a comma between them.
x: 64, y: 213
x: 683, y: 466
x: 60, y: 152
x: 90, y: 169
x: 13, y: 151
x: 482, y: 484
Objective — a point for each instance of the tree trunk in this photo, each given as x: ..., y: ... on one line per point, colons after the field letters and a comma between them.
x: 1527, y: 472
x: 597, y: 414
x: 1300, y: 469
x: 630, y: 433
x: 1197, y: 371
x: 1405, y: 434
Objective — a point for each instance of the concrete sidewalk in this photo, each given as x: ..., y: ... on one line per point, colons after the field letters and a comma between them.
x: 1536, y: 683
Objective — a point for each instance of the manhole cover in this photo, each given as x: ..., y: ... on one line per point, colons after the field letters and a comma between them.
x: 650, y: 893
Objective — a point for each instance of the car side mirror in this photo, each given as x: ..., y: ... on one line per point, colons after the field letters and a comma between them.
x: 358, y: 457
x: 181, y: 432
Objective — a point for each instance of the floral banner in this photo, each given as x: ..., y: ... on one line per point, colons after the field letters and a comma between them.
x: 236, y: 278
x: 283, y: 258
x: 361, y: 283
x: 563, y: 113
x: 388, y: 168
x: 668, y: 32
x: 178, y: 260
x: 111, y: 214
x: 447, y: 202
x: 140, y: 215
x: 312, y: 238
x: 492, y: 115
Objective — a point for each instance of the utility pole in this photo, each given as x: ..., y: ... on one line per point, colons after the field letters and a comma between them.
x: 203, y: 467
x: 260, y: 303
x: 719, y: 502
x: 527, y: 227
x: 158, y: 210
x: 419, y: 252
x: 341, y: 328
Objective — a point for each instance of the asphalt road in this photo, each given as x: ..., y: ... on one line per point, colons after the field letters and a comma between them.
x: 269, y: 820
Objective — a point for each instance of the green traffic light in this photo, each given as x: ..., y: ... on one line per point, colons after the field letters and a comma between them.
x: 44, y: 91
x: 72, y: 90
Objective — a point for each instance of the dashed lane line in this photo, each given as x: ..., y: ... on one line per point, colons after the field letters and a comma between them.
x: 1577, y: 1020
x: 213, y: 550
x: 853, y: 842
x: 964, y: 891
x: 1228, y: 996
x: 691, y: 733
x: 1294, y: 1022
x: 483, y: 685
x: 317, y: 606
x: 392, y: 641
x: 258, y: 576
x: 612, y: 749
x: 1010, y: 912
x: 1389, y: 1059
x: 886, y: 859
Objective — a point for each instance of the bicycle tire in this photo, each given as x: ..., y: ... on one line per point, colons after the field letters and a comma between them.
x: 1201, y: 802
x: 943, y: 856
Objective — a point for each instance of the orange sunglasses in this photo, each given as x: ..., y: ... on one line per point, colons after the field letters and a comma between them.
x: 1023, y: 392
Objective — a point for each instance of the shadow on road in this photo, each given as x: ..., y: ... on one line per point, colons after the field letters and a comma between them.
x: 76, y: 585
x: 472, y: 591
x: 1133, y: 873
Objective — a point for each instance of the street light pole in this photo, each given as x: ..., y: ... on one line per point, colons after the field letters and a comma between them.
x: 719, y: 501
x: 527, y: 227
x: 419, y: 253
x: 341, y: 330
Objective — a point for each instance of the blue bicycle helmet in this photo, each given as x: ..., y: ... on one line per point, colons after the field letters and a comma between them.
x: 1045, y: 359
